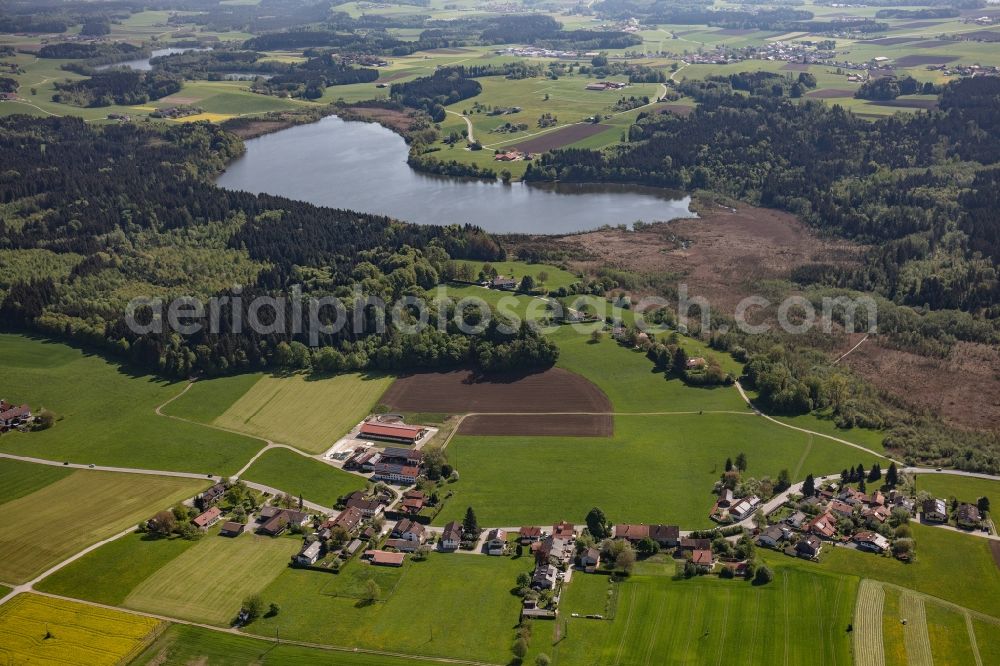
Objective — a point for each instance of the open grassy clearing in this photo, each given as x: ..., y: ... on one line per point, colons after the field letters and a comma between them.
x: 972, y: 579
x: 182, y: 644
x: 95, y: 504
x: 654, y: 469
x: 307, y: 412
x: 448, y: 605
x: 965, y: 489
x: 988, y: 641
x: 313, y: 480
x: 948, y: 632
x: 208, y: 399
x: 115, y: 425
x: 80, y: 634
x: 556, y: 277
x: 798, y: 618
x: 207, y: 583
x: 108, y: 574
x: 18, y: 479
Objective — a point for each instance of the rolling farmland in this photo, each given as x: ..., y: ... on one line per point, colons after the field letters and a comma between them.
x: 868, y: 648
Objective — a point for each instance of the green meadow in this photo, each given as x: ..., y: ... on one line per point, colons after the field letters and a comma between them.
x: 106, y: 414
x: 962, y: 488
x: 654, y: 469
x: 299, y: 475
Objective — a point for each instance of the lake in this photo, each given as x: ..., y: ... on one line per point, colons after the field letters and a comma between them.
x: 143, y: 63
x: 362, y: 166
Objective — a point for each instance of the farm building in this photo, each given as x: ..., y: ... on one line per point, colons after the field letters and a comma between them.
x: 396, y: 473
x: 391, y: 432
x: 12, y: 416
x: 395, y: 456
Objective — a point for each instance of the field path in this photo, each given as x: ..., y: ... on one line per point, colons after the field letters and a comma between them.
x: 468, y: 124
x: 972, y: 640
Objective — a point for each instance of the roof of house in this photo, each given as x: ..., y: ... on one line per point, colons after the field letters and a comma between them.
x: 407, y: 525
x: 400, y: 470
x: 810, y: 542
x: 695, y: 544
x: 564, y: 529
x: 593, y: 554
x: 390, y: 430
x: 15, y: 412
x: 968, y: 512
x: 664, y: 532
x: 702, y: 556
x: 311, y: 549
x: 774, y: 532
x: 204, y: 519
x: 530, y: 531
x: 452, y: 531
x: 497, y: 535
x: 348, y: 519
x: 232, y: 526
x: 634, y: 532
x: 867, y: 536
x: 824, y: 525
x: 935, y: 506
x: 406, y: 454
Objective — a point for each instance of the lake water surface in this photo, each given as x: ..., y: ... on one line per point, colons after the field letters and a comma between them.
x: 362, y: 166
x: 142, y: 64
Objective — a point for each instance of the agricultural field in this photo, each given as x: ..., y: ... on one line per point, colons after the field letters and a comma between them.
x: 41, y: 630
x: 315, y: 481
x: 115, y: 426
x: 182, y: 644
x: 96, y: 504
x: 18, y: 479
x: 448, y: 605
x: 964, y: 489
x: 663, y: 469
x: 108, y: 574
x: 208, y: 582
x: 797, y: 618
x: 307, y: 412
x: 973, y: 581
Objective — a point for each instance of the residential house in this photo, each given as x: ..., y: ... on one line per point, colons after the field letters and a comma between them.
x: 398, y: 456
x: 544, y: 577
x: 12, y: 417
x: 796, y: 520
x: 348, y: 520
x: 351, y: 548
x: 703, y: 558
x: 852, y: 496
x: 823, y: 526
x: 208, y: 518
x: 530, y: 534
x: 309, y: 554
x: 391, y: 432
x: 935, y: 511
x: 878, y: 513
x: 451, y: 537
x: 368, y: 506
x: 496, y: 542
x: 402, y: 545
x: 276, y: 520
x: 772, y: 536
x: 590, y: 559
x: 968, y: 516
x: 744, y: 508
x: 668, y: 536
x: 232, y: 529
x: 413, y: 502
x: 696, y: 363
x: 809, y: 547
x: 384, y: 558
x: 564, y: 529
x: 725, y: 499
x: 687, y: 543
x: 410, y: 530
x: 210, y: 496
x: 631, y: 533
x: 503, y: 283
x: 873, y: 541
x: 842, y: 509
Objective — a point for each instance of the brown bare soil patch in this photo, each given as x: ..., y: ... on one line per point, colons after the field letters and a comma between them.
x: 930, y: 44
x: 574, y: 425
x: 720, y: 255
x: 914, y: 60
x: 462, y: 391
x: 995, y: 549
x: 180, y: 99
x: 560, y: 137
x: 963, y: 389
x: 678, y: 109
x: 828, y: 93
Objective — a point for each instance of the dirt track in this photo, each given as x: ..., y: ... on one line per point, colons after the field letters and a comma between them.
x: 582, y: 425
x: 461, y: 392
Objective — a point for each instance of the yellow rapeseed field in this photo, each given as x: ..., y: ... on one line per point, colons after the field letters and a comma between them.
x: 41, y: 630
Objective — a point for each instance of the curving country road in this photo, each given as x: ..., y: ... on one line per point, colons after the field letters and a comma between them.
x: 468, y: 124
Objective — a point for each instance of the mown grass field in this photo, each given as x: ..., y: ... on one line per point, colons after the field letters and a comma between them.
x: 18, y: 479
x: 114, y: 424
x: 797, y: 618
x: 207, y: 399
x: 314, y: 480
x: 556, y: 277
x: 950, y: 566
x: 93, y: 506
x: 207, y: 583
x: 182, y: 644
x: 965, y: 489
x: 108, y: 574
x: 306, y: 412
x: 78, y: 634
x: 654, y: 469
x: 449, y: 605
